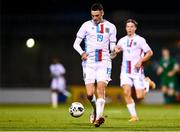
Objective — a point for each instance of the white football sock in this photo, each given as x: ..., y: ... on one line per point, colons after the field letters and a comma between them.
x: 54, y: 99
x: 99, y: 107
x: 131, y: 109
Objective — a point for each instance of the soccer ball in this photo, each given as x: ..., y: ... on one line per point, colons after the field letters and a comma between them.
x: 76, y: 109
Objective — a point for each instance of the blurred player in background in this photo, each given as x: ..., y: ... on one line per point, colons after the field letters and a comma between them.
x: 135, y: 52
x: 168, y: 67
x: 58, y: 82
x: 98, y: 34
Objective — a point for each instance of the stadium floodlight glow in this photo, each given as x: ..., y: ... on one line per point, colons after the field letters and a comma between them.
x: 30, y: 43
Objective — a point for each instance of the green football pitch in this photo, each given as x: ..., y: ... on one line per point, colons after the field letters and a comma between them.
x: 44, y: 118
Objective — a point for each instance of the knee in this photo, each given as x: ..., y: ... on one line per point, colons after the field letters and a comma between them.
x: 100, y: 89
x: 140, y: 97
x: 127, y: 93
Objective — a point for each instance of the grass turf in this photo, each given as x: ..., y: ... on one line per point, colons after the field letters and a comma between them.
x: 45, y: 118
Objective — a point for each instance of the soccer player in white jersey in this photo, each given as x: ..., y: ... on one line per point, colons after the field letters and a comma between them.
x: 132, y: 46
x: 99, y: 37
x: 58, y: 82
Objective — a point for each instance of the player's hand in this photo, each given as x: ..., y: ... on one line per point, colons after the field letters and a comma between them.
x: 84, y: 56
x: 138, y: 64
x: 170, y: 74
x: 113, y: 55
x: 117, y: 49
x: 159, y: 70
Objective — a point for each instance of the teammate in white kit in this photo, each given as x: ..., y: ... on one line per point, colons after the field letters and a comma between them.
x: 99, y: 35
x: 135, y: 52
x: 58, y: 82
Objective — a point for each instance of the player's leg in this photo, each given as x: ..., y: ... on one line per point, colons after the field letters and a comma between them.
x: 54, y: 93
x: 139, y: 85
x: 171, y: 91
x: 151, y: 83
x: 167, y: 88
x: 54, y: 98
x: 62, y: 88
x: 100, y: 103
x: 90, y: 88
x: 130, y: 102
x: 103, y: 76
x: 89, y: 79
x: 171, y: 86
x: 126, y: 84
x: 147, y: 83
x: 164, y: 90
x: 140, y: 93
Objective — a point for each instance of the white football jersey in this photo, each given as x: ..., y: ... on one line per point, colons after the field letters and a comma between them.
x: 98, y: 38
x: 57, y: 70
x: 133, y: 49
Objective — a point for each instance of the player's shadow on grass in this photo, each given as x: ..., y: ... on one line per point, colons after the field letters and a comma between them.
x: 118, y: 118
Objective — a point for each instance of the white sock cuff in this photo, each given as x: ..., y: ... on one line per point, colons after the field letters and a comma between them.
x: 131, y: 105
x: 131, y: 109
x: 101, y: 100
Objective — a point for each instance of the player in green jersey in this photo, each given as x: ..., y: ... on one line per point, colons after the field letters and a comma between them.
x: 167, y: 70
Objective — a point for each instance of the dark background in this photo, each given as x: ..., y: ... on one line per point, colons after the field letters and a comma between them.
x: 54, y: 24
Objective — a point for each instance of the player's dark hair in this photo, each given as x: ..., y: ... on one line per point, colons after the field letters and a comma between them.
x: 132, y: 21
x: 165, y: 48
x: 96, y: 7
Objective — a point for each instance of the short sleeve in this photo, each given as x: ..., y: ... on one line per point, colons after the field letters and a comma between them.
x: 113, y: 34
x: 120, y: 43
x: 145, y: 47
x: 82, y: 31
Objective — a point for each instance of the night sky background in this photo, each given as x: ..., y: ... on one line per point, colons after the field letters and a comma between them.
x: 54, y: 24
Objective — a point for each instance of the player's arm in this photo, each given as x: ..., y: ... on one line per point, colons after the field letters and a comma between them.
x: 159, y: 70
x: 146, y: 57
x: 80, y: 35
x: 78, y: 48
x: 117, y: 49
x: 113, y: 42
x: 148, y: 53
x: 114, y: 53
x: 174, y: 70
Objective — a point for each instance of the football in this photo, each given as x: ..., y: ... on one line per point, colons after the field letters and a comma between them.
x: 76, y: 109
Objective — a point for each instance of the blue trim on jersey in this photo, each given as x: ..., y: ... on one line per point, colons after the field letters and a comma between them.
x: 85, y: 47
x: 108, y: 71
x: 96, y: 55
x: 127, y: 66
x: 127, y: 43
x: 97, y: 28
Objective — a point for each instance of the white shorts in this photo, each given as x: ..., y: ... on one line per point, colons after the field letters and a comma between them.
x: 98, y: 71
x: 137, y: 81
x: 58, y: 84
